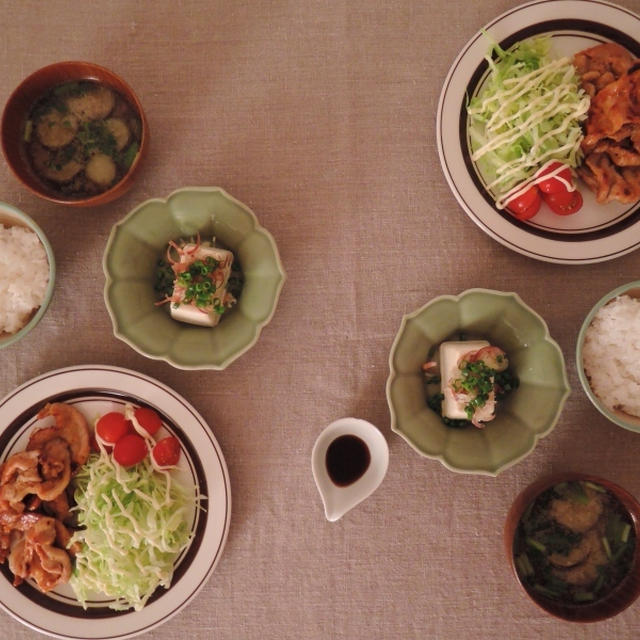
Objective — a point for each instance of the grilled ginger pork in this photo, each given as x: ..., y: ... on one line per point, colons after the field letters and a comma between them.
x: 33, y: 484
x: 601, y: 65
x: 615, y: 106
x: 611, y: 166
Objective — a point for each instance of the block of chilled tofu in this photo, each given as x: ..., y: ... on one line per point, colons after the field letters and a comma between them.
x: 450, y: 354
x: 188, y: 312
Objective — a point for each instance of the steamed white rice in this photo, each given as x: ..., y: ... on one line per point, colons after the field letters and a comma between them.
x: 611, y: 354
x: 24, y: 275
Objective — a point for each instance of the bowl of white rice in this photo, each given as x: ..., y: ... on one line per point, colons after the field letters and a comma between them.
x: 27, y: 274
x: 608, y: 356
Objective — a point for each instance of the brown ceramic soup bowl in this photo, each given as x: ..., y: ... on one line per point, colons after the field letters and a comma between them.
x: 17, y: 112
x: 604, y: 602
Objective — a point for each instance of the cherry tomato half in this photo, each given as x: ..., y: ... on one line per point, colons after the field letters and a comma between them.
x: 551, y: 185
x: 149, y: 420
x: 112, y: 426
x: 166, y: 452
x: 130, y: 450
x: 564, y: 203
x: 526, y: 205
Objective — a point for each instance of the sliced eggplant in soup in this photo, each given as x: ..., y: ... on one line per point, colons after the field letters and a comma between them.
x: 101, y: 169
x: 59, y: 167
x: 55, y: 129
x: 119, y: 130
x: 93, y: 103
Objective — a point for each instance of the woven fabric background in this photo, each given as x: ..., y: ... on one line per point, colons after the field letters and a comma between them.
x: 320, y: 116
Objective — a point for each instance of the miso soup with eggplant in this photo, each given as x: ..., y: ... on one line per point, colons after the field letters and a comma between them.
x: 575, y: 543
x: 81, y: 138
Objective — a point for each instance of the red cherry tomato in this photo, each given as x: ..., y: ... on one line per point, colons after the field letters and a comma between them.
x: 560, y: 198
x: 564, y: 203
x: 526, y: 205
x: 166, y: 452
x: 130, y: 450
x: 149, y: 420
x: 112, y: 426
x: 551, y: 185
x: 527, y: 214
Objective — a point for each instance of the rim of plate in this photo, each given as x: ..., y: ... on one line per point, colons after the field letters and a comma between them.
x: 558, y: 239
x: 59, y: 615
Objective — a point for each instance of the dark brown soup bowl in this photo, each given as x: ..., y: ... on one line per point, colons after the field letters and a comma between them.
x: 16, y: 113
x: 609, y: 605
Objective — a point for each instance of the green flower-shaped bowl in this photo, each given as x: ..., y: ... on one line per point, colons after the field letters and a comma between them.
x: 523, y: 417
x: 130, y: 259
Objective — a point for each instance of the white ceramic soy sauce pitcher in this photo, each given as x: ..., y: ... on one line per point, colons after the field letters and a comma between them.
x: 370, y: 464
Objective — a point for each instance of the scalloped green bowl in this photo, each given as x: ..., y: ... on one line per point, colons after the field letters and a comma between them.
x: 133, y: 249
x: 523, y: 417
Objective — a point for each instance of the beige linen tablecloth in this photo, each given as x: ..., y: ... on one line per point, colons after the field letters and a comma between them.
x: 320, y: 116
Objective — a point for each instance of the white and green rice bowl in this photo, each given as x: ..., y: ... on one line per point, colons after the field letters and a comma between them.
x: 27, y: 274
x: 608, y: 356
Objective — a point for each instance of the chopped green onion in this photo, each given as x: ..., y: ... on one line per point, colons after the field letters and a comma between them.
x: 527, y: 512
x: 532, y: 542
x: 545, y: 591
x: 624, y: 536
x: 523, y: 563
x: 583, y: 596
x: 620, y: 552
x: 599, y: 583
x: 595, y: 487
x: 130, y: 155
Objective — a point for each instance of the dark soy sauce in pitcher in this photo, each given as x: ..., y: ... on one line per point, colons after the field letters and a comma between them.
x: 347, y: 459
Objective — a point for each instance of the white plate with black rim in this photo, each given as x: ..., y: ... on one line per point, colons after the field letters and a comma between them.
x: 597, y: 232
x: 94, y: 390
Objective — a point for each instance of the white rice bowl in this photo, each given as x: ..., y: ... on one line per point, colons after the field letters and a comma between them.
x: 611, y: 354
x: 24, y: 276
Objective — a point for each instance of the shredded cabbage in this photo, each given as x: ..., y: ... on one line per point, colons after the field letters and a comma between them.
x: 135, y: 521
x: 528, y: 112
